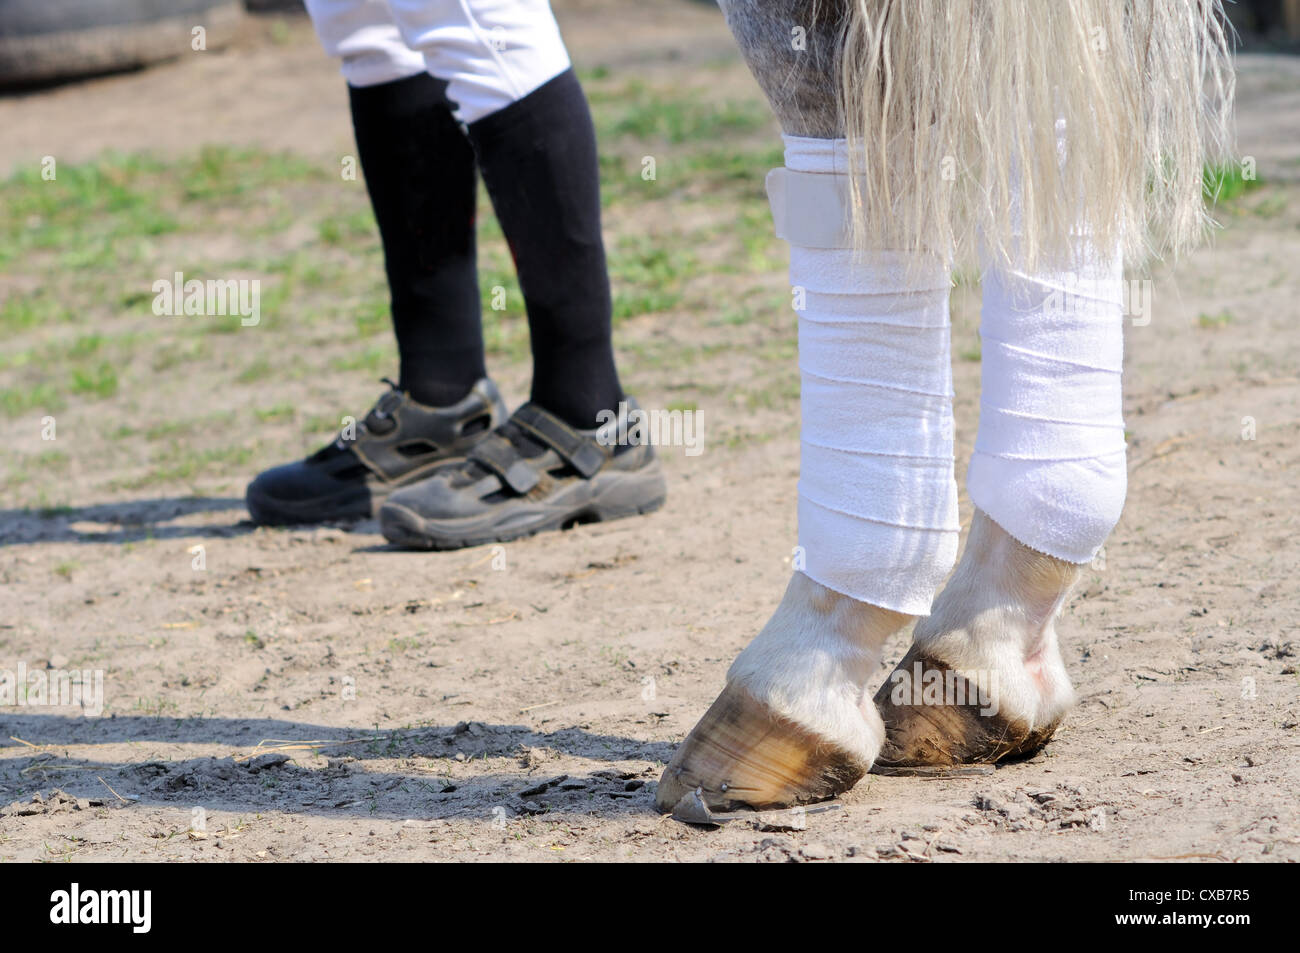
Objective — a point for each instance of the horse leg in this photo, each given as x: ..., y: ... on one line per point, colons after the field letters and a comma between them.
x: 877, y: 508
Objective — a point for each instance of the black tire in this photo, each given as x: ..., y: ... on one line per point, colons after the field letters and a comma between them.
x: 42, y: 42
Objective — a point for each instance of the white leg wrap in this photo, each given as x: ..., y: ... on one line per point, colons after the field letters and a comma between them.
x: 877, y: 498
x: 1049, y: 461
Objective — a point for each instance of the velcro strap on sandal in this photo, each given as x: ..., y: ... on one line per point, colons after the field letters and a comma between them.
x: 380, y: 419
x: 500, y: 456
x: 582, y: 453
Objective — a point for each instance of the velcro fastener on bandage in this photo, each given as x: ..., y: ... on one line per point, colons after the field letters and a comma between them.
x: 810, y: 209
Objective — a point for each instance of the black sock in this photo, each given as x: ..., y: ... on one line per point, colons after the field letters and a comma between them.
x: 419, y: 170
x: 538, y: 158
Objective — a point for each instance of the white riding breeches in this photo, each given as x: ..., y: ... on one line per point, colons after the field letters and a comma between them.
x: 491, y: 53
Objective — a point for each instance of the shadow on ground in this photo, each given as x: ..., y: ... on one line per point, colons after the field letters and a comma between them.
x: 124, y: 522
x: 265, y: 777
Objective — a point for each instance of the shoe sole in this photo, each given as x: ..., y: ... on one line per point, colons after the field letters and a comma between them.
x: 353, y: 504
x: 633, y: 493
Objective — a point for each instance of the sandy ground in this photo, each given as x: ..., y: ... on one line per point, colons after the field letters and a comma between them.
x: 520, y: 704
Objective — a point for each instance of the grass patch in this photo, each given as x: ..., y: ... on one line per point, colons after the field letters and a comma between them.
x: 99, y: 381
x: 648, y: 273
x: 1214, y: 321
x: 23, y: 312
x: 184, y: 465
x: 343, y: 229
x: 278, y: 412
x: 259, y: 370
x: 644, y: 113
x: 19, y: 400
x: 1223, y: 183
x: 375, y: 360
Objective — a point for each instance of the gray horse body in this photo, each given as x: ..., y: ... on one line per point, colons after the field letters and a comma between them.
x: 792, y: 48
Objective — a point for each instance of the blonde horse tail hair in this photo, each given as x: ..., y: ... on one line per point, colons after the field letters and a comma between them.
x: 1100, y: 114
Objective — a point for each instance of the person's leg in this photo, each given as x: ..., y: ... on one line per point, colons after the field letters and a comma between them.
x: 877, y: 499
x: 509, y: 77
x: 1048, y: 480
x: 550, y: 465
x: 419, y: 173
x: 539, y: 164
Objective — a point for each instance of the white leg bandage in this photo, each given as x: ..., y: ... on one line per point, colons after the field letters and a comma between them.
x: 1049, y: 461
x: 877, y: 499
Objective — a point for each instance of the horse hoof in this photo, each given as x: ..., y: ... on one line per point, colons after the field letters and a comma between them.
x: 937, y: 717
x: 742, y: 754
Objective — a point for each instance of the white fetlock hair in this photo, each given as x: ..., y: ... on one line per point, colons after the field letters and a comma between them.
x: 996, y: 619
x: 943, y: 99
x: 813, y: 660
